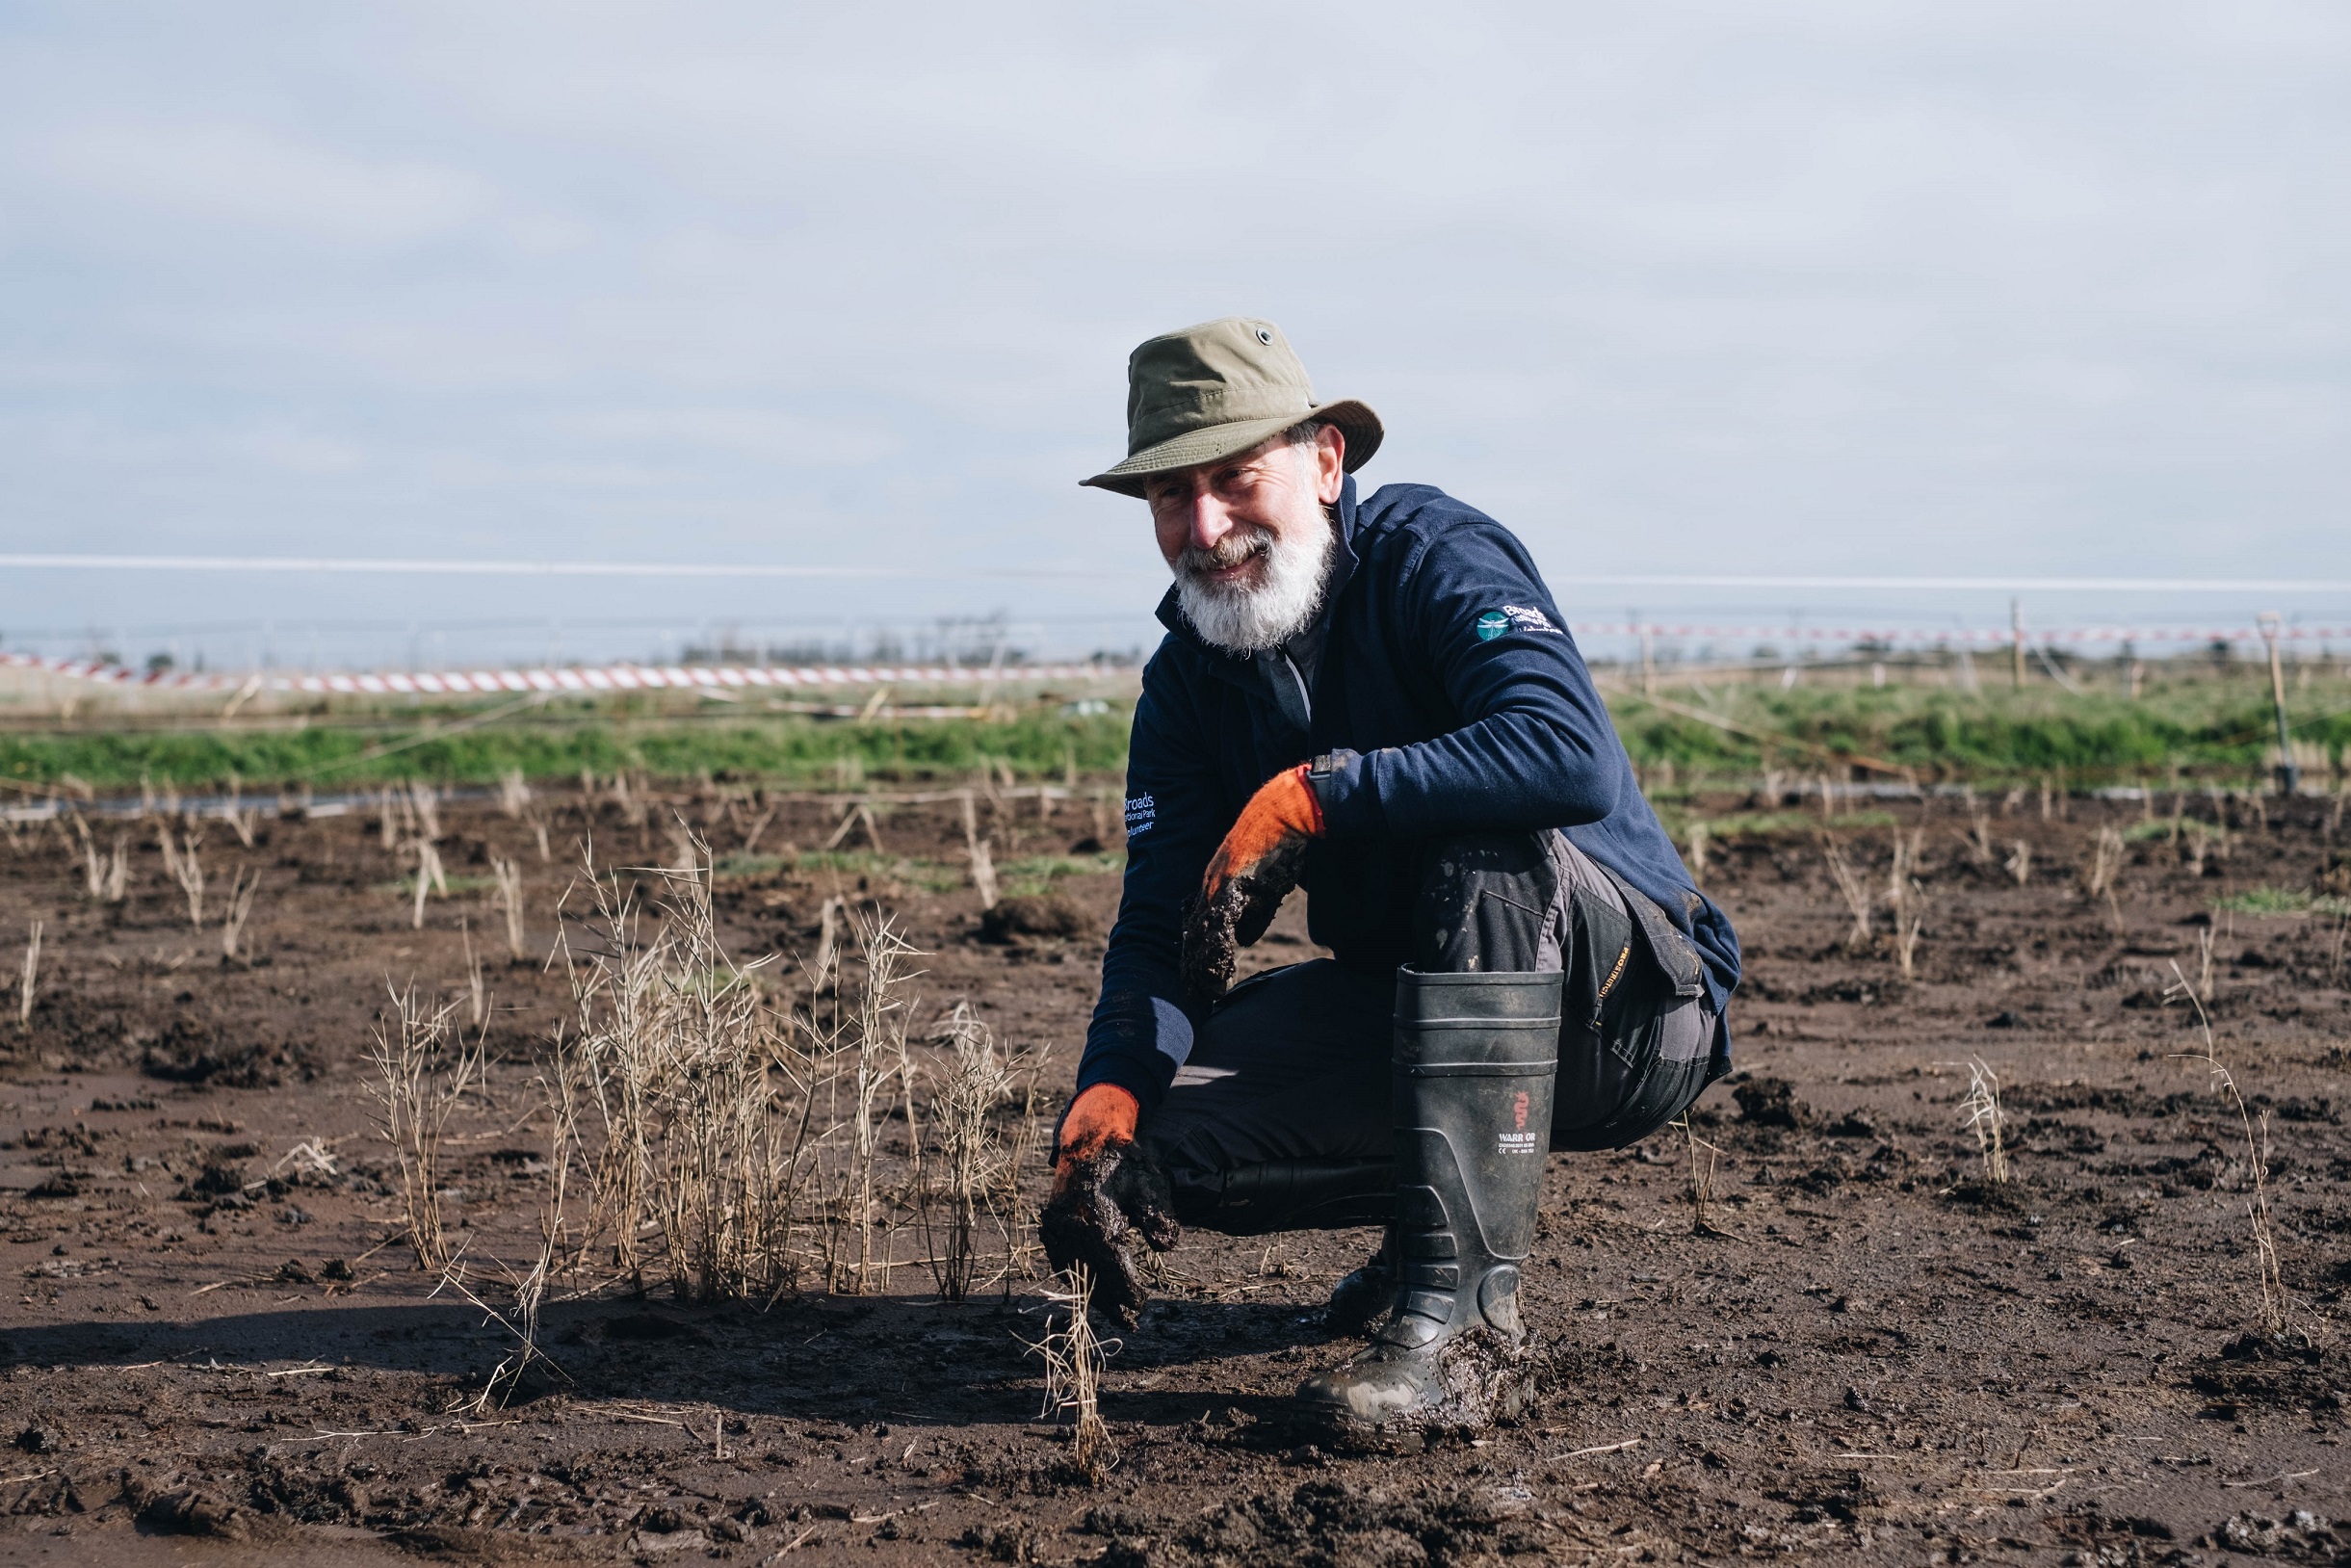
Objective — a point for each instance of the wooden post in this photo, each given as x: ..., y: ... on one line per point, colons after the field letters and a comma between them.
x: 2289, y: 776
x: 2016, y: 643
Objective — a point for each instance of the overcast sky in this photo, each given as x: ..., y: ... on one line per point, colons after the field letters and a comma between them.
x: 1867, y: 286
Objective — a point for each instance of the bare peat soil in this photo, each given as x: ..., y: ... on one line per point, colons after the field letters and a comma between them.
x: 1865, y: 1351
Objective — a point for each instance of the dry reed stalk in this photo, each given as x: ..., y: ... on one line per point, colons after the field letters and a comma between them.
x: 2046, y: 797
x: 429, y: 876
x: 2204, y: 964
x: 513, y: 794
x: 982, y: 858
x: 2259, y: 1220
x: 2018, y: 864
x: 1701, y: 1179
x: 241, y: 891
x: 830, y: 921
x: 509, y: 876
x: 93, y: 868
x: 1849, y: 887
x: 393, y: 818
x: 1909, y: 923
x: 477, y: 988
x: 684, y: 856
x: 1697, y: 852
x: 1979, y: 832
x: 32, y: 977
x: 1980, y: 1110
x: 759, y: 825
x: 1074, y: 1363
x: 1903, y: 872
x: 2106, y: 862
x: 539, y: 830
x: 526, y: 1289
x: 425, y: 802
x: 422, y: 1069
x: 117, y: 883
x: 187, y: 869
x: 244, y: 822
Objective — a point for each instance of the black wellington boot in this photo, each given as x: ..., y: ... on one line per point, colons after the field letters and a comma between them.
x: 1476, y: 1058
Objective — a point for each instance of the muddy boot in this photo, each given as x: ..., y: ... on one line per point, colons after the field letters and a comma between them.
x: 1362, y: 1296
x: 1476, y: 1058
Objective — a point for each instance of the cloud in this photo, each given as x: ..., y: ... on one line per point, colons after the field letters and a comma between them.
x: 1829, y: 285
x: 243, y: 177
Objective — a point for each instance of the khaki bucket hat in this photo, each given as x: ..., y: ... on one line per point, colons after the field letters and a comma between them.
x: 1222, y: 387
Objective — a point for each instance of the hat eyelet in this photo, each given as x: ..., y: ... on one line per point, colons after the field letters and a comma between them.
x: 1264, y: 336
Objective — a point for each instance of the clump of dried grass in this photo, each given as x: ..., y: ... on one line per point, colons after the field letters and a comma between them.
x: 430, y: 876
x: 2261, y: 1224
x: 508, y: 876
x: 1849, y: 887
x: 976, y: 1176
x: 1075, y: 1359
x: 422, y: 1070
x: 241, y: 890
x: 1979, y: 831
x: 982, y: 857
x: 1980, y: 1110
x: 184, y: 866
x: 2018, y: 864
x: 701, y: 1096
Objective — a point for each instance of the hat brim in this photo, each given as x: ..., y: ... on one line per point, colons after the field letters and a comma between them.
x: 1355, y: 421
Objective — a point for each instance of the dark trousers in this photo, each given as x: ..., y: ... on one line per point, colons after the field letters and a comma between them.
x: 1280, y: 1118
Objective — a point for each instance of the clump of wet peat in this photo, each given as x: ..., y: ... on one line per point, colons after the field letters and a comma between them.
x: 1048, y: 915
x: 1320, y: 1522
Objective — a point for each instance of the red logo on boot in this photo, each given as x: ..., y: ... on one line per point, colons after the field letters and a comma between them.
x: 1520, y: 1141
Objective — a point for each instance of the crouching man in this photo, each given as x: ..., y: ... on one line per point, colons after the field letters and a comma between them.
x: 1375, y: 700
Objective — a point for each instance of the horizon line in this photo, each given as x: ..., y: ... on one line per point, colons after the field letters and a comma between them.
x: 451, y: 566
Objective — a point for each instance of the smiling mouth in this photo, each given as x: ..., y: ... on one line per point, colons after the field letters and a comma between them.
x: 1230, y: 562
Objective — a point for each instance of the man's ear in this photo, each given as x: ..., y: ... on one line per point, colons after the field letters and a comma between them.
x: 1330, y: 463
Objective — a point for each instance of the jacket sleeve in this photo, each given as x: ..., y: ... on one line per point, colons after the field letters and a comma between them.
x: 1142, y: 1026
x: 1534, y: 747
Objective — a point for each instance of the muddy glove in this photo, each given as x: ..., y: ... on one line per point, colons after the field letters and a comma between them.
x: 1252, y: 871
x: 1103, y: 1194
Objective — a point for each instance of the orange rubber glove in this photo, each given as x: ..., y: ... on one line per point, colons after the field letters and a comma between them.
x: 1252, y: 871
x: 1102, y: 1115
x: 1103, y: 1194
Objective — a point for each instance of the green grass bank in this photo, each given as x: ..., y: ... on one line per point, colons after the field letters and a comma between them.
x: 1690, y: 733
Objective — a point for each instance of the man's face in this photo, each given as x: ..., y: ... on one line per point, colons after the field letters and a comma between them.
x: 1229, y: 513
x: 1249, y: 539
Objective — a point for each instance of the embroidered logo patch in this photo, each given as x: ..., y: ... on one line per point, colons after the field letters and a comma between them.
x: 1141, y: 812
x: 1513, y: 617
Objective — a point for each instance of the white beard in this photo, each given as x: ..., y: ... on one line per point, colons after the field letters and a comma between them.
x: 1251, y: 619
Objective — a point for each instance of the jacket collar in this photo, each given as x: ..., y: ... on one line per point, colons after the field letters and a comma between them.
x: 1343, y: 571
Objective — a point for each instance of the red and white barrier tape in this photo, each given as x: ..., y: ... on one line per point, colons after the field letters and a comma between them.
x: 601, y: 678
x: 1984, y: 637
x: 825, y: 677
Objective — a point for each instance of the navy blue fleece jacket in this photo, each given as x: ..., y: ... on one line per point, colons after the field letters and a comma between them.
x: 1448, y: 670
